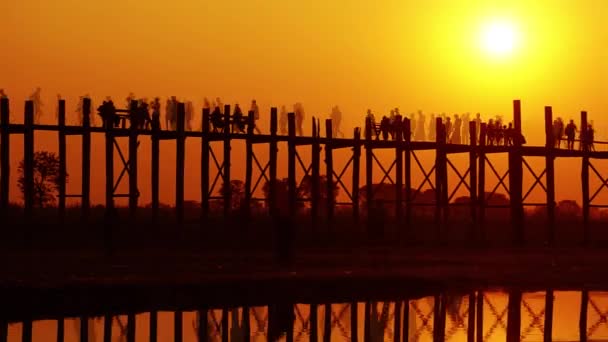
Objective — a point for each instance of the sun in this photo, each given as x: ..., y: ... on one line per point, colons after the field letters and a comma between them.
x: 499, y: 38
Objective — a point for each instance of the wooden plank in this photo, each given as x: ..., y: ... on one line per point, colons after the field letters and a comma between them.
x: 399, y: 171
x: 329, y: 172
x: 585, y: 185
x: 514, y: 316
x: 548, y: 332
x: 61, y: 188
x: 153, y: 334
x: 356, y: 173
x: 227, y: 193
x: 272, y: 167
x: 132, y: 162
x: 205, y: 166
x: 582, y: 322
x: 249, y: 164
x: 85, y: 203
x: 550, y: 175
x: 291, y: 165
x: 4, y: 153
x: 28, y: 160
x: 327, y: 322
x: 180, y: 163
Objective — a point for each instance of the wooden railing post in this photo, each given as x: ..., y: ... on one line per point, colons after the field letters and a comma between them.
x: 272, y: 165
x: 249, y: 163
x: 329, y: 172
x: 516, y: 178
x: 585, y: 183
x: 4, y: 153
x: 227, y: 193
x: 514, y: 316
x: 28, y: 159
x: 582, y: 322
x: 550, y: 174
x: 548, y: 332
x: 291, y: 165
x: 180, y: 163
x: 62, y: 158
x: 133, y: 135
x: 86, y: 158
x: 205, y: 148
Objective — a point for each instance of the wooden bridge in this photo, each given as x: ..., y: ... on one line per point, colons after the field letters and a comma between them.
x: 399, y: 173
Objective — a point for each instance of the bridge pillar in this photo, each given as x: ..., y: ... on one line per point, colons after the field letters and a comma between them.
x: 516, y: 178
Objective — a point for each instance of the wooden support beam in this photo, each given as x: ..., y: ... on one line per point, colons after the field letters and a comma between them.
x: 582, y: 322
x: 367, y: 334
x: 315, y: 174
x: 514, y: 316
x: 155, y: 159
x: 327, y: 324
x: 516, y: 178
x: 249, y: 163
x: 107, y: 328
x: 180, y: 163
x: 407, y: 135
x: 354, y: 322
x: 84, y: 329
x: 329, y: 171
x: 3, y: 331
x: 28, y: 159
x: 479, y: 326
x: 62, y: 179
x: 439, y: 318
x: 60, y: 330
x: 4, y: 153
x: 356, y: 173
x: 26, y: 334
x: 473, y: 179
x: 109, y: 142
x: 585, y: 184
x: 314, y: 323
x: 481, y: 185
x: 550, y: 174
x: 203, y: 334
x: 397, y: 322
x: 246, y: 320
x: 178, y: 332
x: 131, y: 327
x: 225, y: 327
x: 399, y: 172
x: 227, y: 191
x: 471, y: 318
x: 291, y: 165
x: 86, y: 158
x: 369, y: 181
x: 548, y: 332
x: 272, y: 165
x: 133, y: 190
x: 406, y: 319
x: 205, y: 166
x: 153, y: 326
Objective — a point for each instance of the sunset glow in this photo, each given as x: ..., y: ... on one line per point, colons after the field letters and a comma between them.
x: 499, y: 38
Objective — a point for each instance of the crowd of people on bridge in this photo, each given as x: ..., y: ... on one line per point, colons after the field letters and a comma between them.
x: 586, y: 135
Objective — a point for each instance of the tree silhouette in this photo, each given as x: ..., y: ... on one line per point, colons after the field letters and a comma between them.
x: 46, y: 178
x: 237, y: 193
x: 305, y: 190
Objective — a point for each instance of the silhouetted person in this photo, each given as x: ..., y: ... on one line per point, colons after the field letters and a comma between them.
x: 238, y: 122
x: 391, y: 123
x: 466, y: 119
x: 299, y: 113
x: 171, y: 113
x: 3, y: 94
x: 189, y: 115
x: 336, y: 120
x: 35, y: 98
x: 456, y: 130
x: 590, y: 138
x: 490, y: 132
x: 571, y: 134
x: 107, y: 111
x: 283, y: 120
x: 448, y: 129
x: 558, y: 131
x: 256, y: 115
x: 420, y: 134
x: 155, y: 106
x: 432, y: 127
x: 478, y: 124
x: 217, y: 120
x: 509, y: 134
x: 168, y: 113
x: 413, y: 126
x: 144, y: 119
x: 385, y: 127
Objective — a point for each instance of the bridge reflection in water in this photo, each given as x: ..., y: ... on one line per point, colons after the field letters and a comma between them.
x: 446, y: 317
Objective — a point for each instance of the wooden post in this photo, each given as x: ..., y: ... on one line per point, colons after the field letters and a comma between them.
x: 178, y: 326
x: 516, y: 178
x: 28, y: 159
x: 225, y: 328
x: 548, y: 332
x: 27, y: 331
x: 514, y: 316
x: 439, y: 318
x: 398, y: 171
x: 86, y: 158
x: 481, y: 197
x: 246, y: 320
x: 366, y: 316
x: 249, y: 163
x: 84, y: 329
x: 479, y: 326
x: 407, y: 135
x: 550, y: 174
x: 440, y: 181
x: 60, y: 330
x: 109, y: 140
x: 62, y: 159
x: 397, y: 322
x: 368, y: 174
x: 227, y: 193
x: 4, y: 153
x: 356, y: 173
x: 133, y: 134
x: 315, y: 175
x: 203, y: 335
x: 289, y: 335
x: 406, y: 320
x: 582, y: 323
x: 107, y: 322
x: 205, y: 166
x: 354, y: 315
x: 329, y: 171
x: 4, y: 331
x: 272, y: 162
x: 314, y: 323
x: 473, y: 178
x: 180, y: 163
x: 291, y: 165
x: 327, y: 324
x: 131, y: 326
x: 153, y: 326
x: 471, y: 321
x: 155, y: 158
x: 585, y: 183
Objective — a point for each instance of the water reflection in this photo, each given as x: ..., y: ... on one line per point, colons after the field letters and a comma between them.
x: 447, y: 317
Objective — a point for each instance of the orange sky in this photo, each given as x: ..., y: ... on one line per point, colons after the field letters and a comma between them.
x: 357, y: 54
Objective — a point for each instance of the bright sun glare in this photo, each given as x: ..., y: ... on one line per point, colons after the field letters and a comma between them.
x: 499, y: 38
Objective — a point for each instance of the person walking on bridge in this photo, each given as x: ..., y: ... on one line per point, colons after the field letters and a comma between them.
x: 571, y: 134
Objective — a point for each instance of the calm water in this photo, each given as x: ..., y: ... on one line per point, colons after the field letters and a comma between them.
x: 381, y: 321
